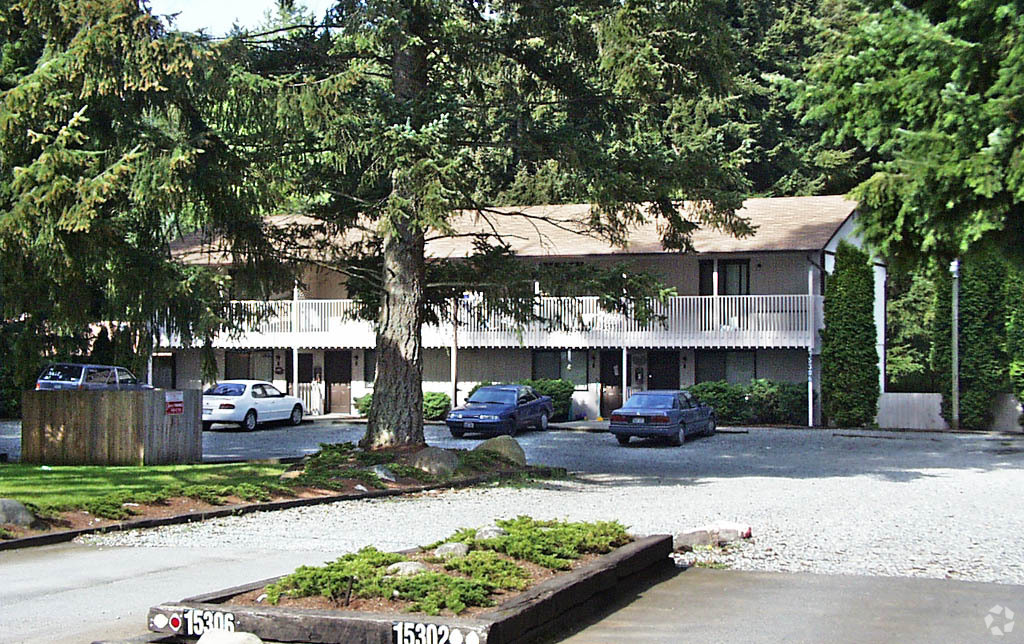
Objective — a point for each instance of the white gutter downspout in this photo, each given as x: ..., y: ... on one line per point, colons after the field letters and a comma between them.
x: 295, y: 344
x: 810, y: 346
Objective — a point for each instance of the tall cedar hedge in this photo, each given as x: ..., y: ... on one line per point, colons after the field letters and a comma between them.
x: 1014, y: 299
x: 983, y: 341
x: 849, y: 378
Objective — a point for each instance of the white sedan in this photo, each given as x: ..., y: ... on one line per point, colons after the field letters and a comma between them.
x: 248, y: 403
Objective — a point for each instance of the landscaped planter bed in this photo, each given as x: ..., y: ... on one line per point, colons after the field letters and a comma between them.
x: 339, y: 474
x: 551, y: 598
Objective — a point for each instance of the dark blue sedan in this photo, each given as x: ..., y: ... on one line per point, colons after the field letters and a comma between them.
x: 669, y: 414
x: 500, y: 409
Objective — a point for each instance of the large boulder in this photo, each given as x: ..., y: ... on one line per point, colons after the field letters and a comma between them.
x: 506, y: 446
x: 406, y: 568
x: 452, y: 549
x: 436, y: 461
x: 16, y: 513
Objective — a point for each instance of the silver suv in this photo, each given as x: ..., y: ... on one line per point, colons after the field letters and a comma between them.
x: 65, y: 375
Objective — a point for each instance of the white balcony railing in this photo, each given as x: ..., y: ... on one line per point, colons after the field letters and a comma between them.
x: 741, y: 321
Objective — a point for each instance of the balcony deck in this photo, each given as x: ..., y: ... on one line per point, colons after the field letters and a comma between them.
x: 741, y: 321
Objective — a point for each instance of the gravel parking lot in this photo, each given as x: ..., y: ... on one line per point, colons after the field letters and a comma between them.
x: 875, y: 503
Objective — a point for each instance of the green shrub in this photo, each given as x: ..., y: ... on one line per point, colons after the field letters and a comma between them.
x: 435, y: 405
x: 363, y: 404
x: 560, y: 392
x: 490, y: 567
x: 849, y: 375
x: 730, y: 401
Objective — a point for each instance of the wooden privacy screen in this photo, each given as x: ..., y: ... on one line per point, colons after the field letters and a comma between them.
x: 111, y: 427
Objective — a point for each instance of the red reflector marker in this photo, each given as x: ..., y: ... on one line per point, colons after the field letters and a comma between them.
x: 617, y: 418
x: 226, y: 406
x: 659, y: 419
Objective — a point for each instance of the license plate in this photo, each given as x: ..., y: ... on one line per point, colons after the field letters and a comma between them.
x: 193, y: 621
x: 638, y: 421
x: 420, y: 633
x: 467, y: 424
x: 207, y: 410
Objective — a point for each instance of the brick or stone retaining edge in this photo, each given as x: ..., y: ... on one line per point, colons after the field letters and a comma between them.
x: 535, y: 613
x: 62, y: 536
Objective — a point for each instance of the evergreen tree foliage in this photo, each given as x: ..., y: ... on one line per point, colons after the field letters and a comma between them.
x: 111, y: 146
x: 1014, y: 300
x: 849, y: 377
x: 909, y: 312
x: 982, y: 339
x: 934, y: 90
x: 391, y: 116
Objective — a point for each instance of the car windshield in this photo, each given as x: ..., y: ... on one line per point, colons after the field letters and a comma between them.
x: 649, y: 401
x: 225, y: 389
x: 62, y: 373
x: 500, y: 396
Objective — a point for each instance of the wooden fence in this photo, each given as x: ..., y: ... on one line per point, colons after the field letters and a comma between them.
x: 111, y: 427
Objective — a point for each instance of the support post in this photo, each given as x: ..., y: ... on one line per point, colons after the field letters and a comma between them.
x: 810, y: 346
x: 455, y: 352
x: 625, y: 373
x: 295, y: 335
x: 954, y: 268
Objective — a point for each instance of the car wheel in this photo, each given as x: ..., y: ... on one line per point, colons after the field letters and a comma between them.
x: 622, y: 438
x: 679, y: 436
x: 296, y: 417
x: 207, y: 425
x: 513, y: 427
x: 542, y: 424
x: 249, y: 422
x: 457, y: 433
x: 711, y: 426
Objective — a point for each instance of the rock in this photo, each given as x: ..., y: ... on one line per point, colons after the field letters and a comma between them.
x: 490, y: 532
x: 454, y: 549
x: 291, y: 474
x: 14, y: 512
x: 362, y: 488
x: 436, y: 461
x: 506, y: 446
x: 384, y: 473
x: 228, y: 637
x: 690, y: 539
x: 714, y: 534
x: 405, y: 568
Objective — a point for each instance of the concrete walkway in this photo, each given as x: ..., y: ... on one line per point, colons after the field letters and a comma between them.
x: 702, y: 605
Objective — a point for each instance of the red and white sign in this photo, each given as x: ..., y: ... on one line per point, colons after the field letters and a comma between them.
x: 175, y: 402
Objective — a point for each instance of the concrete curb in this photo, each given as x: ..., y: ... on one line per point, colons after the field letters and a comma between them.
x: 538, y: 612
x: 63, y: 536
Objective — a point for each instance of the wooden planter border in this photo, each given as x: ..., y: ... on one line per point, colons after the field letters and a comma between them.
x: 529, y: 615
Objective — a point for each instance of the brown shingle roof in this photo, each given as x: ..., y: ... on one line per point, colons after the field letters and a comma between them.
x: 780, y: 223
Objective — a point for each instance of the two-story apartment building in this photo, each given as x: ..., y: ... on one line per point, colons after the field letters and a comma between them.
x: 745, y: 308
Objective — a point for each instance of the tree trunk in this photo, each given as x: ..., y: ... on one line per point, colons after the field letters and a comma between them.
x: 396, y: 416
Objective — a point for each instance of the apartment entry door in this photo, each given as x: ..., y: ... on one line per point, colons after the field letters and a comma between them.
x: 338, y: 381
x: 663, y: 369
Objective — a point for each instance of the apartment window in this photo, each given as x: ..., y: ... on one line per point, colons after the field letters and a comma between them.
x: 564, y: 365
x: 369, y: 365
x: 735, y: 367
x: 733, y: 276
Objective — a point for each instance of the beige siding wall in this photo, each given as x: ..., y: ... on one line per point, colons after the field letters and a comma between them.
x: 785, y: 365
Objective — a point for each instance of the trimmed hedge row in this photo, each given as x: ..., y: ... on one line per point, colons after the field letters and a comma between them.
x: 760, y: 402
x: 435, y: 405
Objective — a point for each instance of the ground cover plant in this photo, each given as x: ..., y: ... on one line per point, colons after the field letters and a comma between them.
x: 491, y: 567
x: 70, y: 497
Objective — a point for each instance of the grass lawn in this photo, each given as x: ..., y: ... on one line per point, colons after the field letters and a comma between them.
x: 59, y: 488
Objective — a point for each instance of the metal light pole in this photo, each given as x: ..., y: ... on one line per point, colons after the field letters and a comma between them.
x: 954, y: 268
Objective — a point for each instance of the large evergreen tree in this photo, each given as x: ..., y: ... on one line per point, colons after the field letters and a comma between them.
x: 936, y: 90
x: 112, y: 143
x: 392, y: 116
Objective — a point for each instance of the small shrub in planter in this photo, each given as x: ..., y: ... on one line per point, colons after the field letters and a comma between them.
x: 560, y: 392
x: 363, y: 404
x: 436, y: 405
